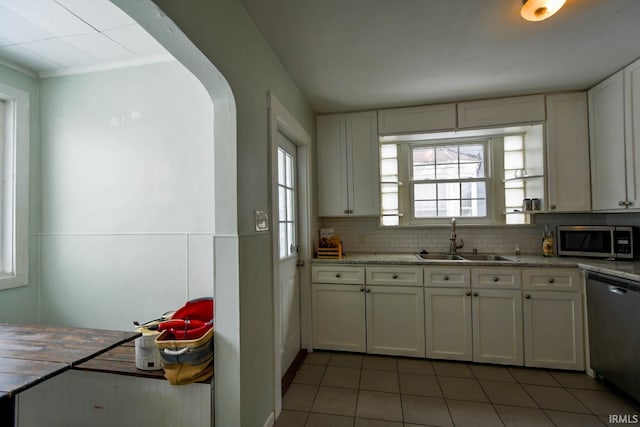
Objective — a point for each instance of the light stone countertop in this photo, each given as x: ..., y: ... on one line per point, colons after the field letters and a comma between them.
x: 624, y: 269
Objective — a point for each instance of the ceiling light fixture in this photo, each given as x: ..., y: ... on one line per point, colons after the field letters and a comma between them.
x: 538, y: 10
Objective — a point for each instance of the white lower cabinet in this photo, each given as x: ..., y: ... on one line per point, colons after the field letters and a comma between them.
x: 395, y: 320
x: 339, y: 317
x: 384, y: 318
x: 553, y: 319
x: 509, y: 316
x: 497, y: 326
x: 448, y: 323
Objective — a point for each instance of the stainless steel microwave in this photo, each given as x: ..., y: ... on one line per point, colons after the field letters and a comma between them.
x: 620, y: 242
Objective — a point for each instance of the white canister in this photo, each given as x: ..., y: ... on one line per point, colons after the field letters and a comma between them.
x: 147, y: 354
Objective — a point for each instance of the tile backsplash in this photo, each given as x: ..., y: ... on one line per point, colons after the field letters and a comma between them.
x: 365, y: 235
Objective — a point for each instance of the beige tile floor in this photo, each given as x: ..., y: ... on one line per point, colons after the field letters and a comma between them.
x: 334, y: 389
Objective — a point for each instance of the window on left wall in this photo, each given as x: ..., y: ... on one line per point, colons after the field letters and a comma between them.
x: 14, y: 188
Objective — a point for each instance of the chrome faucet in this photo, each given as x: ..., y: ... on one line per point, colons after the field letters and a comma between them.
x: 453, y: 238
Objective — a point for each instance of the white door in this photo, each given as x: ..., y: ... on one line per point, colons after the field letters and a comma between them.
x: 288, y: 253
x: 448, y: 323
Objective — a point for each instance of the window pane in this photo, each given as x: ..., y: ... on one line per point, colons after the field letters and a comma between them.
x: 424, y: 172
x: 473, y: 190
x: 472, y: 170
x: 449, y: 190
x: 471, y: 153
x: 425, y: 209
x: 474, y: 207
x: 424, y: 191
x: 290, y: 205
x: 513, y: 160
x: 282, y: 203
x: 390, y: 220
x: 389, y: 202
x: 513, y: 197
x: 289, y: 176
x: 291, y: 239
x: 388, y: 151
x: 281, y: 167
x: 424, y: 156
x: 449, y: 208
x: 389, y: 167
x: 447, y: 171
x: 283, y: 240
x: 447, y: 154
x: 513, y: 143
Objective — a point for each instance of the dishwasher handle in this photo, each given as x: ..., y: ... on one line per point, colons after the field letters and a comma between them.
x: 617, y: 290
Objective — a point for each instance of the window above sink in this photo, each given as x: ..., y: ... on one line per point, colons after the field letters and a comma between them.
x: 477, y: 176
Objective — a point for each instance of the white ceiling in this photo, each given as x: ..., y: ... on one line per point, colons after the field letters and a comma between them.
x: 51, y: 37
x: 362, y: 54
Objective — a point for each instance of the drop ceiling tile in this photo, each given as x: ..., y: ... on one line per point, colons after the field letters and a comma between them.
x: 100, y: 14
x: 27, y: 59
x: 136, y: 39
x: 100, y: 47
x: 48, y: 15
x: 15, y: 29
x: 62, y: 53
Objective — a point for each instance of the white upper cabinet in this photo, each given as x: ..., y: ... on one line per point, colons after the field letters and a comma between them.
x: 426, y: 118
x: 614, y: 126
x: 503, y: 111
x: 348, y: 165
x: 568, y: 153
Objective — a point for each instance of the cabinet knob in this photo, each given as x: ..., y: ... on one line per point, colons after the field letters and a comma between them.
x: 496, y: 279
x: 552, y: 207
x: 527, y: 296
x: 468, y: 293
x: 395, y: 276
x: 368, y: 291
x: 338, y: 275
x: 552, y: 280
x: 445, y: 278
x: 629, y: 203
x: 362, y: 289
x: 475, y: 294
x: 622, y: 203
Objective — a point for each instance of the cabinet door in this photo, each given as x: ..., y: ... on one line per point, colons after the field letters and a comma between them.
x: 395, y: 320
x: 497, y: 326
x: 553, y: 330
x: 332, y: 165
x: 363, y: 157
x: 503, y: 111
x: 632, y: 81
x: 426, y: 118
x: 568, y: 138
x: 448, y: 323
x: 338, y: 317
x: 607, y: 143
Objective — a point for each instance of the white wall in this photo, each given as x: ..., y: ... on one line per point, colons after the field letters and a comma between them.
x: 226, y: 34
x: 127, y: 195
x: 20, y: 305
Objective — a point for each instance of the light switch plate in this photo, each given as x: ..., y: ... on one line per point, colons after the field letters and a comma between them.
x: 262, y: 221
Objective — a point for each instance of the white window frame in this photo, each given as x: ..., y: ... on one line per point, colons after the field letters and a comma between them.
x: 14, y: 245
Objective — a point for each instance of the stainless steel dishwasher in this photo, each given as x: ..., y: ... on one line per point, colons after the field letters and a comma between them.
x: 613, y: 307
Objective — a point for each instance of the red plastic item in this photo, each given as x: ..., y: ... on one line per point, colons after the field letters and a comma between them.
x: 192, y: 320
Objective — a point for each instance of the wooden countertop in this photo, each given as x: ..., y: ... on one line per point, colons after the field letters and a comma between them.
x: 30, y: 354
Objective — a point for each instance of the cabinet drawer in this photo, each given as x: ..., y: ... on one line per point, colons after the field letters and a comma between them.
x: 498, y: 278
x: 447, y: 277
x: 417, y: 119
x: 502, y: 111
x: 406, y: 276
x: 337, y: 274
x: 556, y: 279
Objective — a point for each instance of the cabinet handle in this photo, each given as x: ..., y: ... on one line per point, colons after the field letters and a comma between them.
x: 338, y: 275
x: 362, y: 289
x: 368, y: 291
x: 395, y: 276
x: 475, y: 294
x: 468, y: 293
x: 496, y: 279
x: 552, y: 280
x: 527, y: 296
x: 445, y: 278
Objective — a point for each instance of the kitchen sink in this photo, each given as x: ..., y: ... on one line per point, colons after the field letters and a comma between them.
x: 441, y: 257
x: 485, y: 257
x: 463, y: 257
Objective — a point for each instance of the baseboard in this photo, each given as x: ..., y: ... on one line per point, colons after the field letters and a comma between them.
x: 270, y: 421
x: 288, y: 376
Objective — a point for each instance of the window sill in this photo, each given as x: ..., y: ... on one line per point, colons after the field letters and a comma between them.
x: 11, y: 282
